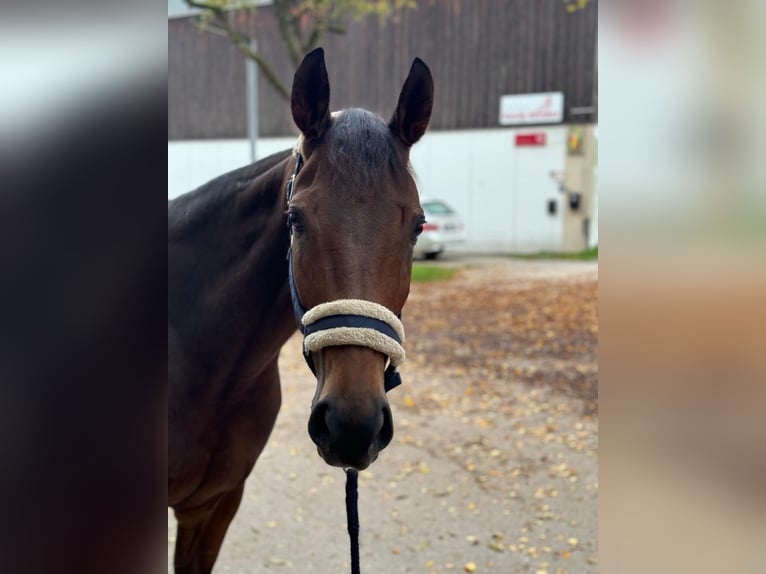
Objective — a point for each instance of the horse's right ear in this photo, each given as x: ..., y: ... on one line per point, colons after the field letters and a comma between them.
x: 311, y: 96
x: 413, y: 111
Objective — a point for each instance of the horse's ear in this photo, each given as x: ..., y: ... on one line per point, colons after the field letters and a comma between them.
x: 311, y: 96
x: 413, y: 111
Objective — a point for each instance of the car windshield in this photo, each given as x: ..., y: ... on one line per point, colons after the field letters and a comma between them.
x: 437, y: 208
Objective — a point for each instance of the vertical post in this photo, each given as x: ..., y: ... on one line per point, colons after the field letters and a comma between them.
x: 251, y: 75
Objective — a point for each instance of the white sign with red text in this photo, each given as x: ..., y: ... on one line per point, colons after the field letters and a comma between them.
x: 542, y: 108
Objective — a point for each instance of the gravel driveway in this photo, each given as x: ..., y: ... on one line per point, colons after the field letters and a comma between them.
x: 493, y: 466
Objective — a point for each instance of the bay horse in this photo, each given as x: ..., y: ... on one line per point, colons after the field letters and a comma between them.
x: 345, y: 207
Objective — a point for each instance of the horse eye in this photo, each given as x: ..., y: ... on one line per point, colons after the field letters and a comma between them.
x: 418, y: 229
x: 294, y: 221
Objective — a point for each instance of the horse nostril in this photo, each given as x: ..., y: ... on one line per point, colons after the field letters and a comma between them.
x: 350, y: 437
x: 387, y: 430
x: 318, y: 429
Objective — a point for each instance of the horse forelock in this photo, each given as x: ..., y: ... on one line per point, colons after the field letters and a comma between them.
x: 361, y: 149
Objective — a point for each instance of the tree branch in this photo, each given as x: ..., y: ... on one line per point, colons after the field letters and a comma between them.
x: 315, y: 38
x: 204, y: 5
x: 336, y: 29
x: 324, y: 16
x: 242, y: 42
x: 286, y: 21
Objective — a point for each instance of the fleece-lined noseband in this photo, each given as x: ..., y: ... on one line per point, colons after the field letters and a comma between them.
x: 346, y: 321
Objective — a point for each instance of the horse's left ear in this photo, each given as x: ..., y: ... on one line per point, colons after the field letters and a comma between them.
x: 413, y: 111
x: 311, y: 96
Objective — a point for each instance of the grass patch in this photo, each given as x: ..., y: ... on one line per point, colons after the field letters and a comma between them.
x: 422, y: 272
x: 587, y: 255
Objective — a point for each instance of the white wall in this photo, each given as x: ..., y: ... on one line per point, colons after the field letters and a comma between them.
x: 501, y: 191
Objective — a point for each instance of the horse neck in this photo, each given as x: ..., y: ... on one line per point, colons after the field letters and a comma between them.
x: 227, y: 269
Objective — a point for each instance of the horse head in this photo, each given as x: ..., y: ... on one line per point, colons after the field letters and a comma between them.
x: 354, y: 215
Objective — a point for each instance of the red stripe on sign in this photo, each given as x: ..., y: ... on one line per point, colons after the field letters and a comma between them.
x: 530, y: 139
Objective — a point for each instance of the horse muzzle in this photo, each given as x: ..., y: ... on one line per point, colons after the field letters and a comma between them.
x: 351, y: 423
x: 349, y: 437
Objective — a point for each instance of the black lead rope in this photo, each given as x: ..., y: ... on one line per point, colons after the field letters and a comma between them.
x: 352, y: 516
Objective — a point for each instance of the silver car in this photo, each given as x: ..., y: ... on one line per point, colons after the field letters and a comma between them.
x: 443, y: 228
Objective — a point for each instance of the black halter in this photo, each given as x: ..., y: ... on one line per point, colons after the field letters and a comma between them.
x: 391, y: 377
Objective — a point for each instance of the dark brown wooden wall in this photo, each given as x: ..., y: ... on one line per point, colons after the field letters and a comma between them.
x: 477, y: 50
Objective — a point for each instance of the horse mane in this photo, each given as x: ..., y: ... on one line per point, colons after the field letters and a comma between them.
x: 184, y: 209
x: 235, y: 179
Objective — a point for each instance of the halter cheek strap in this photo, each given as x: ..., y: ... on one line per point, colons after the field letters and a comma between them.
x: 347, y: 321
